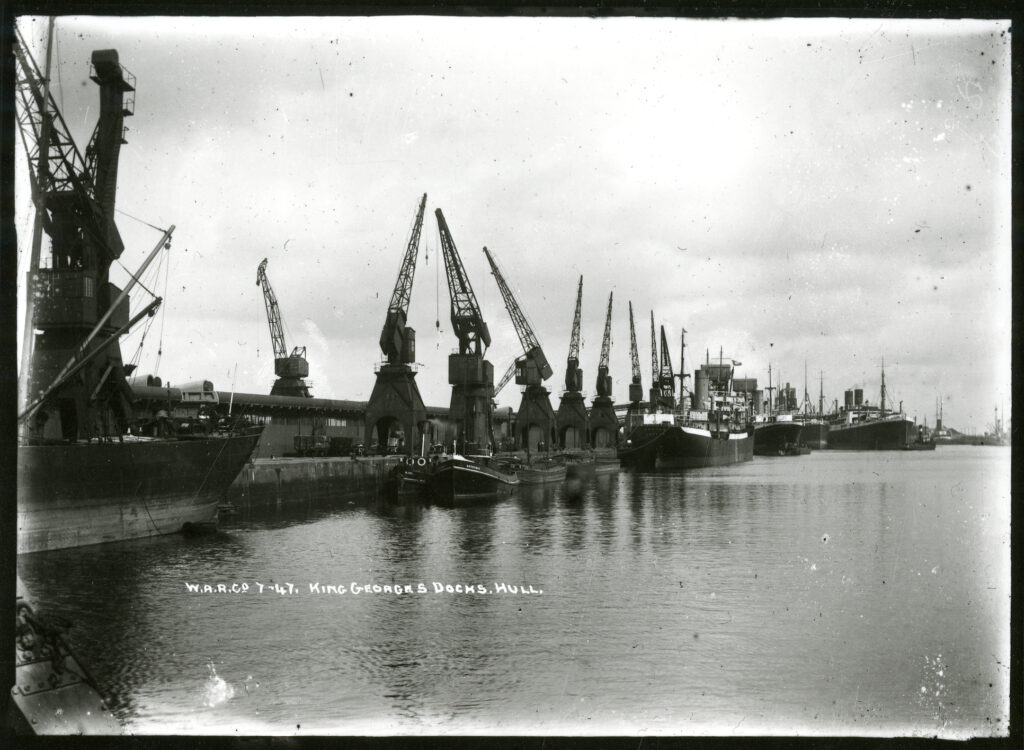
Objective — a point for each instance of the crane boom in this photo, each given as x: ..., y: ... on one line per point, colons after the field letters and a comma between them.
x: 574, y: 341
x: 655, y: 367
x: 606, y: 340
x: 467, y: 320
x: 273, y: 312
x: 61, y: 178
x: 634, y: 354
x: 395, y: 338
x: 636, y: 392
x: 505, y: 378
x: 573, y: 373
x: 604, y: 380
x: 666, y: 377
x: 531, y: 347
x: 290, y: 369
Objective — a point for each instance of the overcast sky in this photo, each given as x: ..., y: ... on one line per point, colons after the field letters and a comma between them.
x: 835, y: 192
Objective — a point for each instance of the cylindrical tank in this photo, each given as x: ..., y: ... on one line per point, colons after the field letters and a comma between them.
x: 858, y: 396
x: 848, y: 399
x: 701, y: 390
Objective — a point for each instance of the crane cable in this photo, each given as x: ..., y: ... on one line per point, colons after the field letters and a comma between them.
x: 136, y: 357
x: 163, y: 317
x: 437, y: 301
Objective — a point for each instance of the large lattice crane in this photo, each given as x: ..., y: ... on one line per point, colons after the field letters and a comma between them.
x: 636, y: 388
x: 74, y: 199
x: 534, y: 365
x: 469, y: 374
x: 655, y: 368
x: 604, y: 380
x: 572, y: 420
x: 397, y: 342
x: 604, y: 424
x: 289, y: 368
x: 573, y: 373
x: 396, y: 418
x: 535, y: 422
x: 75, y: 194
x: 666, y: 377
x: 467, y: 320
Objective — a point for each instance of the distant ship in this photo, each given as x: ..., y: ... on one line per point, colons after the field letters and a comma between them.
x: 88, y: 471
x: 872, y: 431
x: 860, y: 426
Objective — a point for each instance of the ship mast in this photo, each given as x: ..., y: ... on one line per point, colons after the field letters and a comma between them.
x: 883, y: 386
x: 807, y: 396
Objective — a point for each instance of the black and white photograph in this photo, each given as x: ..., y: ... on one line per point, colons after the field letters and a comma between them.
x: 527, y: 375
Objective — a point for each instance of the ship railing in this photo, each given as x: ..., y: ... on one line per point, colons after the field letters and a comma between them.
x: 377, y: 366
x: 562, y: 392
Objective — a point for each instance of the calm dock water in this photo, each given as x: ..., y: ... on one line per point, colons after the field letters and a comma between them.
x: 839, y: 593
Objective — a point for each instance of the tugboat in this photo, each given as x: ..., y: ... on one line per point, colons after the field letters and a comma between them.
x: 459, y: 480
x: 924, y: 441
x: 88, y: 472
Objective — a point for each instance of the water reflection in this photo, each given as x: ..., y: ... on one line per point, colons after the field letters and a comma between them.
x: 720, y: 591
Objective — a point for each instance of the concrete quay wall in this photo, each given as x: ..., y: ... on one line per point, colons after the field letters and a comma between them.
x: 279, y: 482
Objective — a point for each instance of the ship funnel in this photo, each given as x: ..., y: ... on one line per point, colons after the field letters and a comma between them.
x: 858, y: 396
x: 848, y: 399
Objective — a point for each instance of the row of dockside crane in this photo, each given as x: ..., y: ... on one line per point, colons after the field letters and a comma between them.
x: 396, y: 407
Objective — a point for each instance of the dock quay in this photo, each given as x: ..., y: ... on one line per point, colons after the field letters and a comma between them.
x: 267, y: 483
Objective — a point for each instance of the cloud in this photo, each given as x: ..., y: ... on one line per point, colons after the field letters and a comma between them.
x: 841, y: 194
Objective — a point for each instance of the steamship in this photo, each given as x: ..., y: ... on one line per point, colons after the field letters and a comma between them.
x: 778, y: 435
x: 713, y: 430
x: 863, y: 426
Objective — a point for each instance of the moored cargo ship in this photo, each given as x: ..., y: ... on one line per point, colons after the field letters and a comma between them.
x: 687, y: 438
x: 88, y: 470
x: 685, y: 446
x: 814, y: 432
x: 81, y: 493
x: 863, y: 426
x: 778, y: 435
x: 892, y: 432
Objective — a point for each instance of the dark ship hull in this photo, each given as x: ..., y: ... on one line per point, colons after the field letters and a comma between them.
x: 814, y: 435
x: 72, y: 495
x: 456, y: 481
x: 891, y: 433
x: 777, y: 438
x: 666, y: 446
